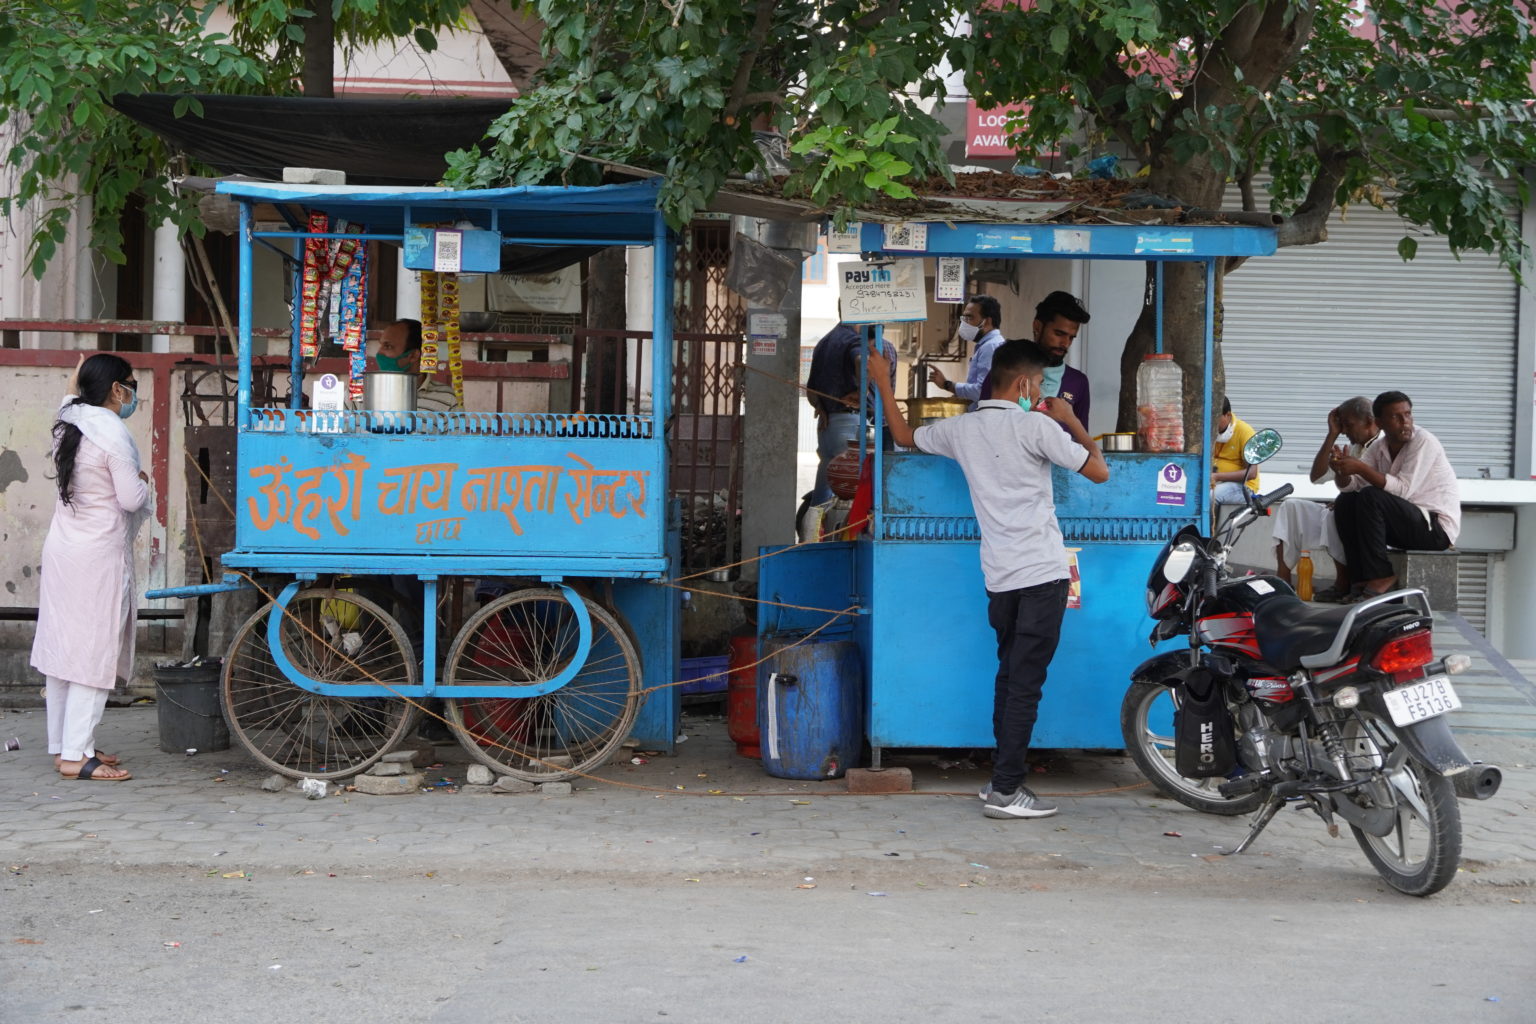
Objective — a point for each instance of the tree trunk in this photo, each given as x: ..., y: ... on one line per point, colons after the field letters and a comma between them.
x: 1197, y: 186
x: 320, y: 52
x: 604, y: 375
x: 1183, y: 336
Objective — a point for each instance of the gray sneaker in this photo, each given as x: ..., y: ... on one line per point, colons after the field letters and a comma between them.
x: 1020, y: 804
x: 984, y: 792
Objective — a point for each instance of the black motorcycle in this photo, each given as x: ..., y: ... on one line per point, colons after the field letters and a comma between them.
x: 1339, y: 709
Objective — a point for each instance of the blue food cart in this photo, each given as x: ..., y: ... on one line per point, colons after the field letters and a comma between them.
x: 929, y: 657
x: 562, y: 518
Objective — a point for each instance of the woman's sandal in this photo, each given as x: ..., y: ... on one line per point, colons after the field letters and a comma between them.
x: 89, y: 769
x: 110, y: 760
x: 1364, y: 594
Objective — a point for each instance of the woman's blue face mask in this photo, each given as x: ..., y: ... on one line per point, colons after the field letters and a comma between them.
x: 126, y: 409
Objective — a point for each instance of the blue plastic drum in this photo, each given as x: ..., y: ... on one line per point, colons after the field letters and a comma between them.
x: 810, y: 707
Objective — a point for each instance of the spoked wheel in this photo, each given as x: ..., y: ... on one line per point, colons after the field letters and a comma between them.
x: 1421, y: 853
x: 1146, y: 724
x: 333, y: 636
x: 524, y: 639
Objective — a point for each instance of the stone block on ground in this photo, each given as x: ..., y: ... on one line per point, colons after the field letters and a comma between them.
x: 276, y: 783
x: 555, y: 789
x: 883, y: 780
x: 388, y: 785
x: 479, y: 775
x: 415, y: 751
x: 509, y: 784
x: 391, y: 768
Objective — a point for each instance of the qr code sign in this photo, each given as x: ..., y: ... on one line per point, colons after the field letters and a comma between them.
x: 906, y: 237
x: 951, y: 271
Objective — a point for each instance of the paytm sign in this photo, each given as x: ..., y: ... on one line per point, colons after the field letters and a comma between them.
x: 986, y: 131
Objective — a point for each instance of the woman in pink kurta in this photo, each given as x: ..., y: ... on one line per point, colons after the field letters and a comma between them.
x: 86, y: 611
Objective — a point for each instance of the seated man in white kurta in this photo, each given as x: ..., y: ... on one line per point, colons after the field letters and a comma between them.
x: 1308, y: 525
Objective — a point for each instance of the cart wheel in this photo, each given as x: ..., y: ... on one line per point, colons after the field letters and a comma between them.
x: 528, y: 637
x: 335, y: 636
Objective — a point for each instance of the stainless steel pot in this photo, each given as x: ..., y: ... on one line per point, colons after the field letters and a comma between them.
x: 386, y: 393
x: 1117, y: 442
x: 389, y: 392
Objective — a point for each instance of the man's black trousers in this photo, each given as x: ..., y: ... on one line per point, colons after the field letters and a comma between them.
x: 1028, y: 626
x: 1370, y: 519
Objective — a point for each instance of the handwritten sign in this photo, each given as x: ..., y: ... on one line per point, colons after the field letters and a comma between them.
x: 434, y: 500
x: 882, y: 291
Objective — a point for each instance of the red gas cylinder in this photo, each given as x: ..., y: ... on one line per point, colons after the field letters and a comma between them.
x: 741, y: 696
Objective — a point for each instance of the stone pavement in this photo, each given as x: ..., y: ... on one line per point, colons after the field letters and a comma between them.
x: 660, y: 819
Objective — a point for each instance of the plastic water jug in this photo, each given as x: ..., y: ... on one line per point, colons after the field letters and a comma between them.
x: 1160, y: 404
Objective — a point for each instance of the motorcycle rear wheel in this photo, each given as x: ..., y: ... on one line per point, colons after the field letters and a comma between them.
x: 1422, y: 853
x: 1152, y: 750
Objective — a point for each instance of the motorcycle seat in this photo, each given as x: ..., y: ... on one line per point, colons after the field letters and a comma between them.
x: 1288, y: 628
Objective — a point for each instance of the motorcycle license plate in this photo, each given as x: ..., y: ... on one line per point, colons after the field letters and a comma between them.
x: 1418, y: 701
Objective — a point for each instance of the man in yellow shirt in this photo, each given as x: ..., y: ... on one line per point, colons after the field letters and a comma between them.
x: 1229, y: 473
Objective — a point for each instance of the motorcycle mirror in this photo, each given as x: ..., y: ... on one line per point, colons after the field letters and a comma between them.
x: 1178, y: 563
x: 1262, y: 446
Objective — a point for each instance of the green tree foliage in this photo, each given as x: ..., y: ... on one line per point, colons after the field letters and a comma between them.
x: 678, y: 86
x: 61, y: 63
x: 1413, y: 104
x: 60, y: 66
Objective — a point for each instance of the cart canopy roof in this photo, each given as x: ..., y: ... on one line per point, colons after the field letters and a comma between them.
x: 550, y: 214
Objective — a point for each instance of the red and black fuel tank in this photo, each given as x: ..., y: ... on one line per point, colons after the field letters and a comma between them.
x: 1227, y: 621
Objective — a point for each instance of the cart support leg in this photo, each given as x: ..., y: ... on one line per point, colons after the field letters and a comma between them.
x: 429, y: 633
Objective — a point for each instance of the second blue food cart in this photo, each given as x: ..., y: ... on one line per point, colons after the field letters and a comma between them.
x: 929, y: 656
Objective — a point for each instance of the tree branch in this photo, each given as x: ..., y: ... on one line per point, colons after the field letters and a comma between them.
x: 1309, y: 224
x: 761, y: 22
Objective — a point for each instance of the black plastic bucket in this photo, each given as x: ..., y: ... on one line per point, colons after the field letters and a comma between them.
x: 188, y: 703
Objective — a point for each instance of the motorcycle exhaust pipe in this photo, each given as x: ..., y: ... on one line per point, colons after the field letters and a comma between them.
x: 1479, y: 782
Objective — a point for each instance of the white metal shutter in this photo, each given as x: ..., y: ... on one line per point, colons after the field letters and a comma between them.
x: 1314, y: 325
x: 1473, y: 569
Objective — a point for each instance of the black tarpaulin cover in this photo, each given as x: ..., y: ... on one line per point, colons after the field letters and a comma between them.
x: 394, y: 141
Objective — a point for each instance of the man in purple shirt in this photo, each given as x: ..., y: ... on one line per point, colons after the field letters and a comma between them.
x: 1058, y: 317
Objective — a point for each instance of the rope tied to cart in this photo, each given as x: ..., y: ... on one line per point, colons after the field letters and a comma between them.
x: 566, y: 770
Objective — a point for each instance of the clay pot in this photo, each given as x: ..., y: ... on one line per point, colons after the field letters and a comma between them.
x: 843, y: 471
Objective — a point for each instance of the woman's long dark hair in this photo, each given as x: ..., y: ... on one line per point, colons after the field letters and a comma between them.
x: 97, y: 375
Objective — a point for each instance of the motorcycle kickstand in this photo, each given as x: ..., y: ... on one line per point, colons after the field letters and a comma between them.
x: 1260, y: 820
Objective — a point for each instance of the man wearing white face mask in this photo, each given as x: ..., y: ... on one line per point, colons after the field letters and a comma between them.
x: 979, y: 323
x: 1229, y: 472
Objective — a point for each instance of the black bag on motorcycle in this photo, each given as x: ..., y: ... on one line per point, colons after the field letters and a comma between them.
x: 1203, y: 744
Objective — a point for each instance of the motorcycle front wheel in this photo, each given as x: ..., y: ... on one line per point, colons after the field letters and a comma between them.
x: 1146, y: 724
x: 1421, y: 853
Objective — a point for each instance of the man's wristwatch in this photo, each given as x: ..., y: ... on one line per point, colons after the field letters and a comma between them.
x: 949, y: 386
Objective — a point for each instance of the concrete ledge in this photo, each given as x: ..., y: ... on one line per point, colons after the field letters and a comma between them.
x: 1433, y: 572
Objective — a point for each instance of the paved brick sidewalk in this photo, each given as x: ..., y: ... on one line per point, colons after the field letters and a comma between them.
x: 209, y: 811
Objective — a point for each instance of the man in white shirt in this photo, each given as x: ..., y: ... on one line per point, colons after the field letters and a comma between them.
x: 1402, y: 493
x: 1006, y: 451
x: 1309, y: 525
x: 979, y: 322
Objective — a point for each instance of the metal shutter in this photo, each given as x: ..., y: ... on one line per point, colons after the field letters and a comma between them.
x: 1313, y: 325
x: 1472, y: 571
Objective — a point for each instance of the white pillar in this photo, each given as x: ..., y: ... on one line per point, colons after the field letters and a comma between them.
x: 407, y: 290
x: 169, y: 296
x: 85, y: 260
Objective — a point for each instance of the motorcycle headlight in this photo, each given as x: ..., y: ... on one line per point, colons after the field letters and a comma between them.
x: 1179, y: 562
